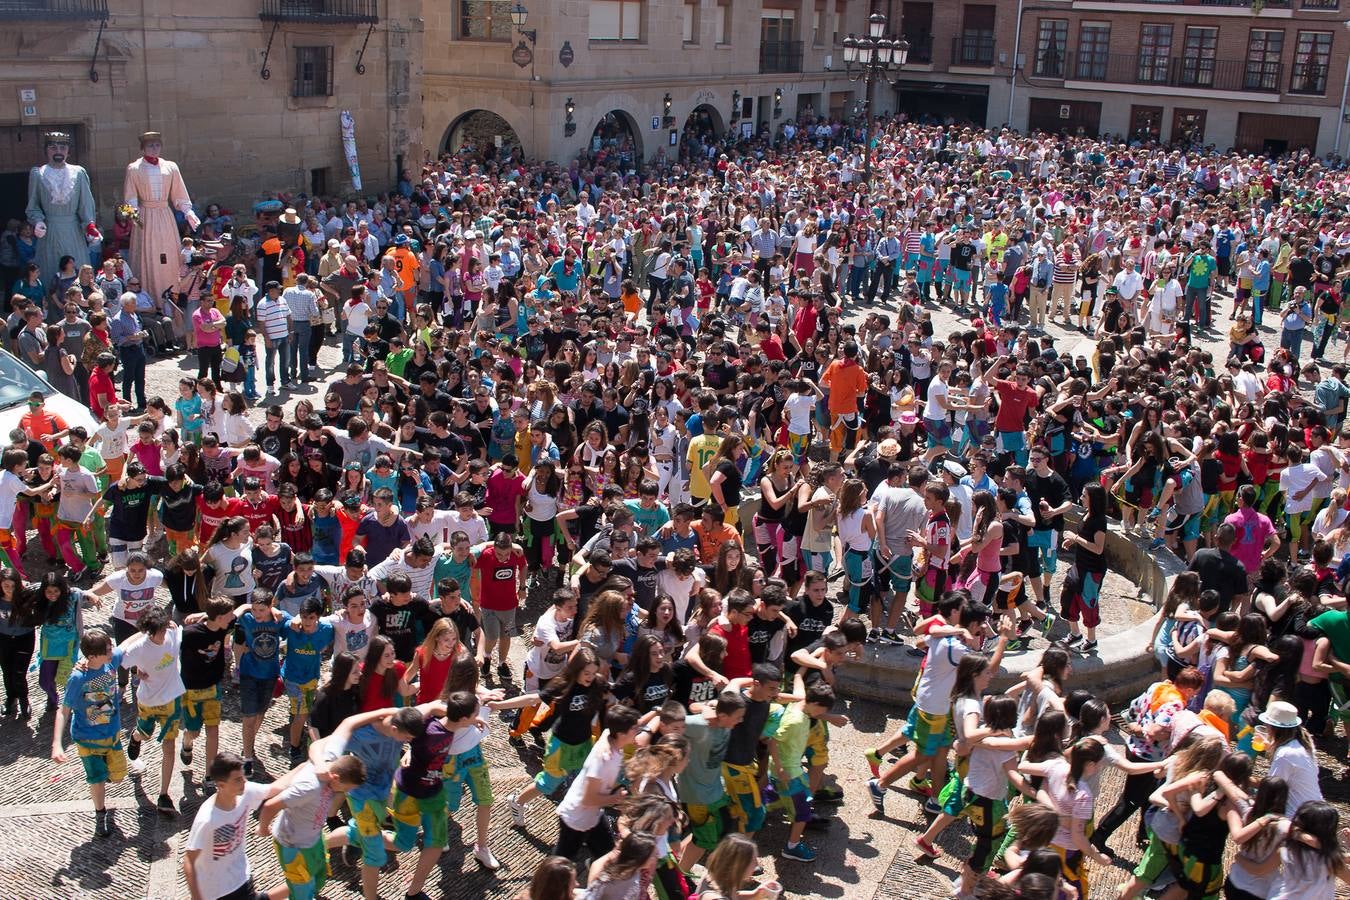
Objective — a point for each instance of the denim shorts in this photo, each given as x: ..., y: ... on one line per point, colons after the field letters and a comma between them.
x: 255, y: 695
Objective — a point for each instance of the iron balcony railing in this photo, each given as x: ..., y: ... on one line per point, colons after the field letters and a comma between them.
x: 920, y: 49
x: 331, y: 11
x: 1164, y: 71
x: 780, y: 56
x: 53, y: 9
x: 973, y: 48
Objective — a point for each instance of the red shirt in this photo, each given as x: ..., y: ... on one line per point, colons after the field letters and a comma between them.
x: 772, y: 348
x: 431, y: 675
x: 736, y: 661
x: 257, y: 514
x: 497, y: 579
x: 210, y: 517
x: 40, y: 426
x: 102, y: 393
x: 300, y: 538
x: 1013, y: 403
x: 373, y: 696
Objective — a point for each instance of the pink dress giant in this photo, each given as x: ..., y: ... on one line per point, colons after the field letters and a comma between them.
x: 155, y: 189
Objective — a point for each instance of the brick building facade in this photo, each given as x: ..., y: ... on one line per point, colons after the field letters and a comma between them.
x: 1261, y: 76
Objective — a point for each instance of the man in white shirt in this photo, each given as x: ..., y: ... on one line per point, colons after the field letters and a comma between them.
x: 215, y: 864
x: 1128, y: 283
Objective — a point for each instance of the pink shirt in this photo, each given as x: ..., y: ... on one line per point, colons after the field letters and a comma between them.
x: 201, y: 315
x: 148, y: 456
x: 502, y: 491
x: 1252, y: 530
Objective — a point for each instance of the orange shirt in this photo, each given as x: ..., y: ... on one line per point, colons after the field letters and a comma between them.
x: 40, y: 426
x: 710, y: 540
x: 406, y: 264
x: 847, y: 382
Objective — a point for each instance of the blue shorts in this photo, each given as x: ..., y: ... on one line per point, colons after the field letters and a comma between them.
x: 961, y: 279
x: 911, y: 262
x: 1046, y: 543
x: 897, y: 575
x: 939, y: 432
x: 1012, y: 441
x: 255, y: 695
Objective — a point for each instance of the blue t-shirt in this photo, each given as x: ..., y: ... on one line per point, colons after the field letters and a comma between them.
x: 92, y: 697
x: 289, y: 597
x: 998, y: 295
x: 327, y: 540
x: 382, y: 540
x: 304, y: 653
x: 381, y: 756
x: 263, y: 659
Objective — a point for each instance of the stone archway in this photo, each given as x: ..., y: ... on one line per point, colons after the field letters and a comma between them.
x: 480, y: 129
x: 617, y: 135
x: 704, y: 119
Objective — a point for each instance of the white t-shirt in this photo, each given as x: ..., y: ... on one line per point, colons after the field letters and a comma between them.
x: 133, y: 599
x: 358, y: 316
x: 542, y: 507
x: 603, y: 763
x: 680, y: 589
x: 934, y: 693
x: 440, y: 526
x: 1295, y: 882
x: 304, y: 810
x: 220, y: 835
x: 351, y: 636
x: 475, y: 528
x: 10, y: 485
x: 932, y: 411
x: 233, y: 568
x: 799, y: 409
x: 157, y: 664
x: 1295, y: 765
x: 543, y: 662
x: 112, y: 439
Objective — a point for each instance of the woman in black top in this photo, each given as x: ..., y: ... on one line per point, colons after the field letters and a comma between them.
x: 645, y: 681
x: 180, y: 577
x: 338, y: 698
x: 724, y: 477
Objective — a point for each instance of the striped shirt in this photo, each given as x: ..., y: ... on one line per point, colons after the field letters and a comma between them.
x: 1066, y: 266
x: 913, y: 241
x: 301, y: 303
x: 273, y: 317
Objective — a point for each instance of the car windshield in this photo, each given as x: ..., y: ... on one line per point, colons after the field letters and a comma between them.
x: 17, y: 381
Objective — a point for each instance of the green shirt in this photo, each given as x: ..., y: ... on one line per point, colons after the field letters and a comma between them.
x: 446, y: 567
x: 794, y: 727
x: 92, y: 461
x: 1335, y: 624
x: 649, y: 521
x: 398, y: 361
x: 701, y: 780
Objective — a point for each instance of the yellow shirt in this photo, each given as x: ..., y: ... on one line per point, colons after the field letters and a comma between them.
x: 701, y: 449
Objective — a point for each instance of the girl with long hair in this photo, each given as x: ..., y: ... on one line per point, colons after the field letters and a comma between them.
x: 731, y: 570
x: 619, y: 873
x: 62, y: 623
x: 431, y: 661
x: 777, y: 548
x: 857, y: 532
x: 555, y: 878
x: 1068, y: 785
x: 729, y: 867
x: 382, y: 683
x: 983, y: 550
x: 543, y: 494
x: 338, y: 698
x: 1257, y: 826
x: 604, y: 628
x: 644, y: 683
x: 1081, y: 595
x: 661, y: 622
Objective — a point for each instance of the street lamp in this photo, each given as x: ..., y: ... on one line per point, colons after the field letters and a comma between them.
x: 871, y: 59
x: 519, y: 16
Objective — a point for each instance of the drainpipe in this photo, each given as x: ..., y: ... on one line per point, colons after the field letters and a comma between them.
x: 1017, y: 48
x: 1345, y: 85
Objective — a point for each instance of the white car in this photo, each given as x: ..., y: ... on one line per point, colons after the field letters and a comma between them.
x: 17, y: 383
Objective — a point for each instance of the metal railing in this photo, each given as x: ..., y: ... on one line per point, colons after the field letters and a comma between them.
x: 332, y: 11
x: 53, y: 9
x: 1321, y: 4
x: 1186, y: 72
x: 920, y: 49
x: 780, y: 56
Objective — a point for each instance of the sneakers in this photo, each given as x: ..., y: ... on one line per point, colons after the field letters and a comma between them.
x: 1047, y: 623
x: 297, y: 755
x: 103, y: 822
x: 1089, y: 647
x: 890, y: 637
x: 800, y: 851
x: 932, y: 807
x: 921, y: 786
x: 873, y: 762
x: 185, y: 755
x: 517, y: 812
x: 1072, y: 640
x: 927, y: 849
x: 877, y: 793
x: 874, y: 636
x: 504, y: 671
x: 486, y: 668
x: 485, y: 858
x: 164, y: 806
x: 133, y: 748
x: 1156, y: 544
x: 830, y: 795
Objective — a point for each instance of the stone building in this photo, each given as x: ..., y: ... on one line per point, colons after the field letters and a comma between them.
x: 640, y: 71
x: 1260, y: 75
x: 247, y: 93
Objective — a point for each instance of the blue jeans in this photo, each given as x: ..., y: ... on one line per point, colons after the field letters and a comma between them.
x: 250, y: 381
x: 857, y: 281
x: 348, y: 345
x: 278, y: 356
x: 298, y: 350
x: 133, y: 373
x: 1291, y: 339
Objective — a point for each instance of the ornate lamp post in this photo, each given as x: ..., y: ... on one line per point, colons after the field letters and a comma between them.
x: 871, y: 59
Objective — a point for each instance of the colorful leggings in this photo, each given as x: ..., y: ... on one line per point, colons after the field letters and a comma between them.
x: 777, y: 548
x: 858, y: 568
x: 68, y: 534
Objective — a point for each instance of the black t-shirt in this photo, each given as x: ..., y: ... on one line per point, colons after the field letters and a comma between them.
x: 1053, y: 489
x: 1085, y: 559
x: 689, y: 686
x: 731, y: 484
x: 466, y: 623
x: 331, y: 449
x: 400, y: 624
x: 761, y: 633
x: 743, y: 747
x: 202, y: 656
x: 179, y: 510
x: 614, y: 419
x: 644, y: 580
x: 275, y: 442
x: 654, y: 693
x: 719, y: 376
x: 331, y: 708
x: 1301, y: 271
x: 962, y: 254
x: 450, y: 444
x: 129, y: 507
x: 573, y: 713
x: 1220, y: 571
x: 811, y: 622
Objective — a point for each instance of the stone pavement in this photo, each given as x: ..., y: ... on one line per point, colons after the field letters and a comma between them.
x: 47, y: 849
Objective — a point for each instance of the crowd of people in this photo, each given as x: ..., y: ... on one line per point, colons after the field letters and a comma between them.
x: 705, y: 426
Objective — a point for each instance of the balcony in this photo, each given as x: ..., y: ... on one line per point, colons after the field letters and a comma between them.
x: 973, y: 48
x: 1188, y: 72
x: 920, y: 48
x: 53, y: 9
x: 333, y: 12
x: 1321, y: 4
x: 780, y: 56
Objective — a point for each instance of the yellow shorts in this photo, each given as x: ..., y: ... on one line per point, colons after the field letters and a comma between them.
x: 167, y: 716
x: 201, y: 708
x: 104, y: 760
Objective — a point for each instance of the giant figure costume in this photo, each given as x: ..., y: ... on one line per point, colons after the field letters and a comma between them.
x: 154, y: 188
x: 61, y: 208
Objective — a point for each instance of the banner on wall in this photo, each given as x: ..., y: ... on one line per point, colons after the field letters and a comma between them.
x: 349, y: 147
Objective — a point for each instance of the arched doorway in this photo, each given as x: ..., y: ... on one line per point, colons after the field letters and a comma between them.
x: 616, y: 140
x: 483, y: 134
x: 701, y: 130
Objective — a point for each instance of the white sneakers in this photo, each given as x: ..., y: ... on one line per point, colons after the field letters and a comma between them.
x: 517, y: 812
x: 484, y: 855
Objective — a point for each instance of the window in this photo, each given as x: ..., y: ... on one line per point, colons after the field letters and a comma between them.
x: 616, y: 20
x: 1155, y: 53
x: 839, y: 13
x: 818, y: 23
x: 484, y: 20
x: 722, y: 23
x: 1094, y: 45
x: 318, y: 182
x: 313, y: 72
x: 977, y: 36
x: 1263, y: 60
x: 775, y: 26
x: 1197, y: 58
x: 691, y: 21
x: 1052, y: 37
x: 1312, y: 56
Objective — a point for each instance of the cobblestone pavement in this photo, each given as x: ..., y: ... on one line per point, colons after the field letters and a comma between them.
x: 47, y: 849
